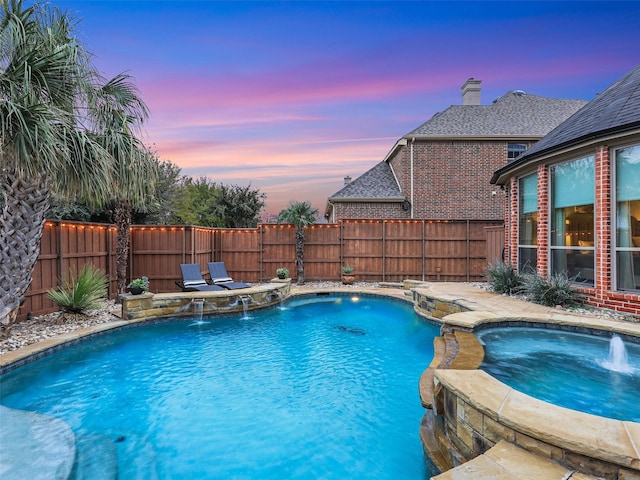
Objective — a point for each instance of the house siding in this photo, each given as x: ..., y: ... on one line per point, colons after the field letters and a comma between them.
x: 377, y: 210
x: 451, y: 178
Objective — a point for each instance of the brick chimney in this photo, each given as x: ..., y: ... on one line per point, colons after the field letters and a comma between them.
x: 471, y: 92
x: 347, y: 180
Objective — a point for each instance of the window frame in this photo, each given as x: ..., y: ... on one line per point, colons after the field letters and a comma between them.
x: 532, y: 247
x: 615, y: 248
x: 519, y: 152
x: 578, y: 250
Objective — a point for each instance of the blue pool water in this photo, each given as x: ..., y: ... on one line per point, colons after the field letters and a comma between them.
x: 567, y: 369
x: 325, y: 388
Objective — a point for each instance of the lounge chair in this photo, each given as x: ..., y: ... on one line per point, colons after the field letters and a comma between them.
x: 219, y: 276
x: 192, y: 280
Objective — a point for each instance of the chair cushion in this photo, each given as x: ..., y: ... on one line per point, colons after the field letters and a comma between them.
x: 194, y: 283
x: 222, y: 280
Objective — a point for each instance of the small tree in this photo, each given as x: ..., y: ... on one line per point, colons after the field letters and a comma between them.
x: 301, y: 215
x: 238, y: 207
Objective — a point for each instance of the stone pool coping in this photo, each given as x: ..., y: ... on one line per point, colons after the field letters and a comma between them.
x: 479, y: 411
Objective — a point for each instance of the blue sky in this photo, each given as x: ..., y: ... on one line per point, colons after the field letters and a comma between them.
x: 293, y: 96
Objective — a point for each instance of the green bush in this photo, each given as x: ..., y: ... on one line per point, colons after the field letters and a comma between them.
x: 81, y: 292
x: 556, y: 289
x: 503, y: 278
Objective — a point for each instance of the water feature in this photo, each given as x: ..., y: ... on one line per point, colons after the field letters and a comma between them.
x: 245, y: 307
x: 198, y: 307
x: 324, y: 389
x: 281, y: 300
x: 618, y: 359
x: 578, y: 371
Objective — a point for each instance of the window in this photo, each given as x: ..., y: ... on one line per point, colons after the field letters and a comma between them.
x: 627, y: 173
x: 528, y: 223
x: 514, y: 150
x: 572, y: 219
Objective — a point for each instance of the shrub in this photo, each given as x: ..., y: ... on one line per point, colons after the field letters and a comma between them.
x: 556, y: 289
x: 81, y: 292
x: 347, y: 270
x: 142, y: 283
x: 503, y: 278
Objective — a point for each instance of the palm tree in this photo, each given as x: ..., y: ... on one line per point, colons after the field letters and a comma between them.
x: 301, y: 215
x: 53, y: 135
x: 118, y: 113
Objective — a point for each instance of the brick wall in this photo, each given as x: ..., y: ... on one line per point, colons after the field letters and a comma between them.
x: 513, y: 222
x: 381, y: 210
x: 543, y: 220
x: 451, y: 178
x: 601, y: 294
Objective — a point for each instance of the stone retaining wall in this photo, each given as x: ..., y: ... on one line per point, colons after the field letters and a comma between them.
x: 479, y: 411
x: 149, y: 305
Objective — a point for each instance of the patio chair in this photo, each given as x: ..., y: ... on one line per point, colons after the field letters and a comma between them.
x: 219, y: 276
x: 192, y: 280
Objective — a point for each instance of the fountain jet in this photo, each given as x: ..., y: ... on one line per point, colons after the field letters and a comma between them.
x: 618, y: 361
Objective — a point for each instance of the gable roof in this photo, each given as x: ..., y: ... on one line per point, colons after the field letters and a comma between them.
x: 376, y: 183
x: 516, y: 113
x: 615, y: 110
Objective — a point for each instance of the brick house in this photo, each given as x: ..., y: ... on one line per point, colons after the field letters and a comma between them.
x: 441, y: 170
x: 573, y: 199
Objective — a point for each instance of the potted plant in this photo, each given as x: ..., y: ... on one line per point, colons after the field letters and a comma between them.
x: 347, y: 275
x: 139, y: 285
x: 282, y: 273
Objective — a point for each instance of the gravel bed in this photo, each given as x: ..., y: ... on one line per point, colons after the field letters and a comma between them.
x: 53, y: 324
x: 46, y: 326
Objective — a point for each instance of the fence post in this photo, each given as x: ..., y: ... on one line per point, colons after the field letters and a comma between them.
x: 261, y: 248
x: 468, y: 251
x: 384, y: 249
x: 59, y: 254
x: 113, y: 293
x: 424, y: 249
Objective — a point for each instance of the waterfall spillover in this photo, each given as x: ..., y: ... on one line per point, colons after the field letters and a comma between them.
x: 198, y: 307
x: 245, y: 305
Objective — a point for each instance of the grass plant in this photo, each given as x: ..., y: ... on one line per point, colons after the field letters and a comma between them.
x: 80, y: 292
x: 556, y: 289
x: 504, y: 278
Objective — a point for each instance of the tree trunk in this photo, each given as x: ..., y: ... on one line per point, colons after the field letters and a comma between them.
x: 26, y: 202
x: 300, y: 254
x: 123, y: 225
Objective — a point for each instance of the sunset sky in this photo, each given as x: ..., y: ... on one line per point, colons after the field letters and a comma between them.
x: 293, y: 96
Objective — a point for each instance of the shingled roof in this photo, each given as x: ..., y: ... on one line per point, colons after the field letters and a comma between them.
x: 615, y: 110
x: 376, y: 183
x: 516, y: 113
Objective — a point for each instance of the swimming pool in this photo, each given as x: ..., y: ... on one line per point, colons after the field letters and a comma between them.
x: 568, y: 369
x: 325, y: 388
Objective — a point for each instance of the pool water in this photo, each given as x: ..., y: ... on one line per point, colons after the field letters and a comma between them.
x: 322, y: 388
x: 564, y: 368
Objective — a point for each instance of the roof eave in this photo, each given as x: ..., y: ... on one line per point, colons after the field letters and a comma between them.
x: 474, y: 137
x: 399, y: 144
x: 367, y: 199
x: 502, y: 176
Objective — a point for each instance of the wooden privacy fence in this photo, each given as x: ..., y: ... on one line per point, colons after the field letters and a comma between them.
x: 379, y: 250
x: 67, y: 246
